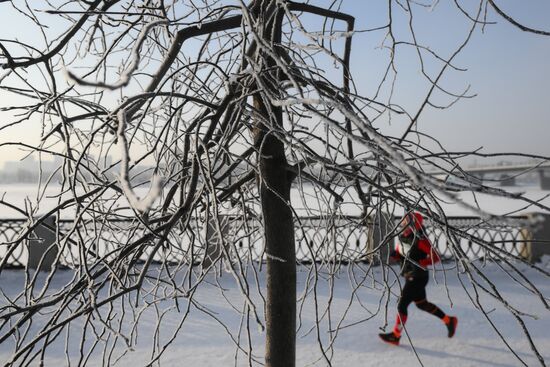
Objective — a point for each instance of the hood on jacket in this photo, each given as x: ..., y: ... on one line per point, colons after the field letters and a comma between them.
x: 414, y: 223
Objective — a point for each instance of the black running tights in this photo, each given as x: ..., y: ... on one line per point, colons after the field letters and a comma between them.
x: 415, y: 291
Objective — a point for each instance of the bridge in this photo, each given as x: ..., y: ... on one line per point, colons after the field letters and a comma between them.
x: 507, y: 174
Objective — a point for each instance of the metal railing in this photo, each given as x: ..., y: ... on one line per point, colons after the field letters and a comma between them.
x: 339, y: 239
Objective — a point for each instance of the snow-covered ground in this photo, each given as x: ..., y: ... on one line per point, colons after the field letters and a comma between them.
x: 202, y: 341
x: 308, y: 201
x: 463, y: 203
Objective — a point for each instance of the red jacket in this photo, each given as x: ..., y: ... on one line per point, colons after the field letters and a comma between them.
x: 428, y: 256
x: 414, y: 248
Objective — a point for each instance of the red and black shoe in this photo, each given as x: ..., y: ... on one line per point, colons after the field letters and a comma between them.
x: 390, y: 338
x: 451, y: 326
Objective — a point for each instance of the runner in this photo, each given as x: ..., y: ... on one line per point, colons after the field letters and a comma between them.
x: 415, y: 253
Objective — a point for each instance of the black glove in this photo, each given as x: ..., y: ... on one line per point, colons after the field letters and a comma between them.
x: 407, y: 239
x: 395, y: 255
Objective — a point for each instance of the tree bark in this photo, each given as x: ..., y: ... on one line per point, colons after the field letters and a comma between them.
x: 274, y: 184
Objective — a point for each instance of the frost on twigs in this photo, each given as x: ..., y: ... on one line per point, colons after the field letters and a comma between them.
x: 126, y: 75
x: 140, y: 205
x: 5, y: 75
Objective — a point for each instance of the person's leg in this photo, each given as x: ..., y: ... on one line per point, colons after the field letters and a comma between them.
x: 429, y: 307
x: 407, y: 296
x: 423, y: 304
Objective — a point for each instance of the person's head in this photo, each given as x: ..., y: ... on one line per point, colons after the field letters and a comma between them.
x: 411, y: 222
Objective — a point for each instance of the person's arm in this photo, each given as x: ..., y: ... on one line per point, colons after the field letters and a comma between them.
x: 395, y: 253
x: 432, y: 257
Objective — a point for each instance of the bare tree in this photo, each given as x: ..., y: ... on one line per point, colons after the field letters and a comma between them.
x: 213, y: 110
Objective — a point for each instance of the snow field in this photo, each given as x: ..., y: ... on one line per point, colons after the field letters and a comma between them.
x: 202, y: 341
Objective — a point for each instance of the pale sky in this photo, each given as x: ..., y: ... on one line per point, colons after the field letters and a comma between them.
x: 508, y: 70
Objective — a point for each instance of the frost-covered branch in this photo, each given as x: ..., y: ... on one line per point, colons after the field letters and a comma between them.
x: 144, y: 204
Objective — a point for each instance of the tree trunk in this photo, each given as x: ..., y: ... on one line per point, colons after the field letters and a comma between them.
x: 274, y: 183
